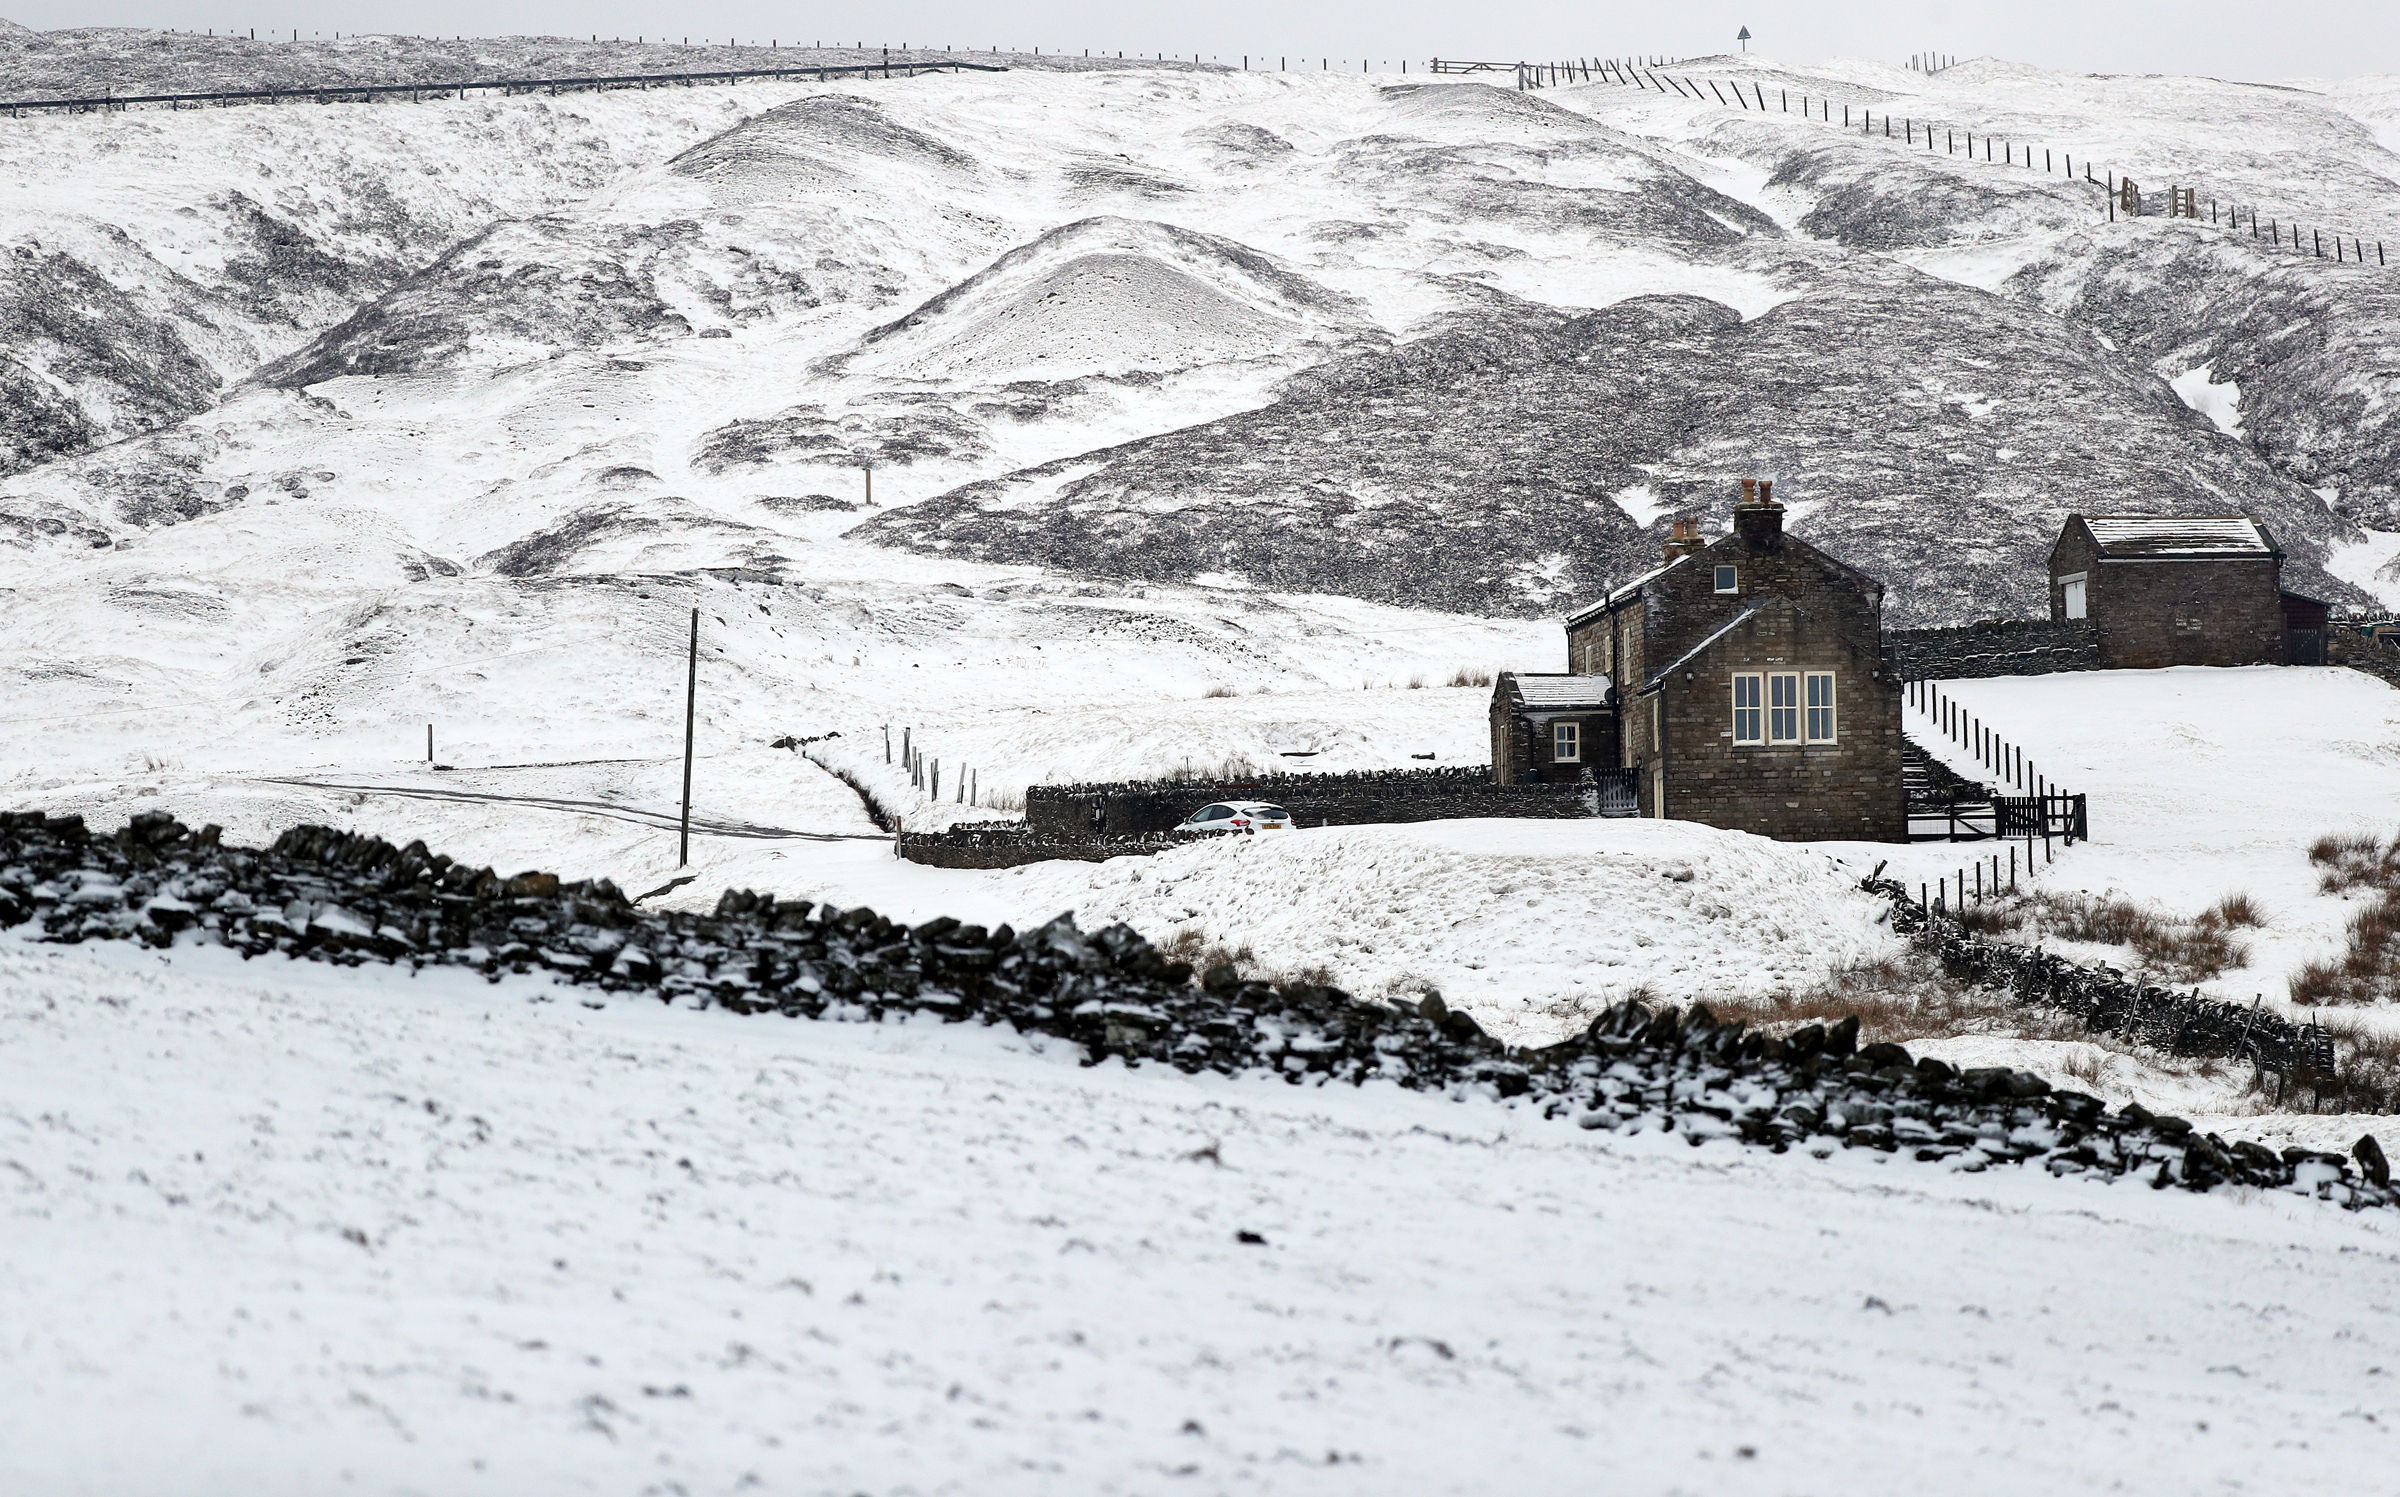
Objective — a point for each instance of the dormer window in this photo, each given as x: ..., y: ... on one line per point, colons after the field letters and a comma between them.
x: 1728, y: 580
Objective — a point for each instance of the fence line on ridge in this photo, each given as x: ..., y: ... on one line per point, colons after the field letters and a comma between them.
x: 909, y: 66
x: 2117, y: 192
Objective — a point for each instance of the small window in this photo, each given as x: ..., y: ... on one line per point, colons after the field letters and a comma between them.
x: 1783, y: 709
x: 1274, y: 813
x: 1819, y: 726
x: 1728, y: 580
x: 1566, y: 742
x: 1746, y: 721
x: 2072, y: 587
x: 1214, y: 813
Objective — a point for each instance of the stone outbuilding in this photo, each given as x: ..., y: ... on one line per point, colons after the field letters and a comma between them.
x: 1748, y: 685
x: 2182, y: 590
x: 1552, y: 728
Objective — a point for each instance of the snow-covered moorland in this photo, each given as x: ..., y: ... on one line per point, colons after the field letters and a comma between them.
x: 449, y: 412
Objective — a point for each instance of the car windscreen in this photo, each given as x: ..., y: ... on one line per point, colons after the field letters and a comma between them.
x: 1274, y: 813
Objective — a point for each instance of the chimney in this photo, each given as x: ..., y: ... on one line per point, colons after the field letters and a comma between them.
x: 1683, y: 539
x: 1758, y: 519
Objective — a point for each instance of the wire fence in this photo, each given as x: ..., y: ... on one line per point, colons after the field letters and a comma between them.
x: 904, y: 61
x: 905, y: 67
x: 2120, y: 195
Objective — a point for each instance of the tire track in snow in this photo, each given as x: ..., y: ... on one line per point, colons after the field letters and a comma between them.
x: 663, y: 820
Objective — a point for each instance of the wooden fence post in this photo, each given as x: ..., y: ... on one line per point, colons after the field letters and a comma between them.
x: 691, y: 703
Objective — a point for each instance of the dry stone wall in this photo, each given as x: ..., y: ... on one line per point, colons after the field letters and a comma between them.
x: 1012, y: 845
x: 1147, y: 807
x: 2009, y: 647
x: 324, y: 895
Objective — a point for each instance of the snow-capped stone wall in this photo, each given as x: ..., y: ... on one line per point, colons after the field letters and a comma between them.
x: 325, y: 895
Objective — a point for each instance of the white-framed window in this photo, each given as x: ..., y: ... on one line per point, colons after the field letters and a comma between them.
x: 1728, y: 580
x: 1566, y: 743
x: 1819, y: 725
x: 1749, y: 722
x: 1783, y: 709
x: 2072, y: 587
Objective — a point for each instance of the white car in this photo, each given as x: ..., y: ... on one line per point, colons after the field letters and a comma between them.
x: 1235, y: 816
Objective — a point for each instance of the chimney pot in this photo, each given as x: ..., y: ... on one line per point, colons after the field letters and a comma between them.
x: 1758, y: 519
x: 1683, y: 538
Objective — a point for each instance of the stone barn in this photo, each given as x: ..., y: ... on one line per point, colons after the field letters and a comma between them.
x: 1746, y: 684
x: 2182, y: 590
x: 1552, y: 727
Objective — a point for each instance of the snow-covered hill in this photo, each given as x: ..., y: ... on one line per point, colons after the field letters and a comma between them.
x: 1204, y: 412
x: 1082, y: 310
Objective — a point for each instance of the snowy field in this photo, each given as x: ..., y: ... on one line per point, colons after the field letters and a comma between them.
x: 289, y: 1228
x: 2204, y: 783
x: 1534, y: 927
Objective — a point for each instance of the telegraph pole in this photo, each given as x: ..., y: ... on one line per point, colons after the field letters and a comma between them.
x: 691, y: 702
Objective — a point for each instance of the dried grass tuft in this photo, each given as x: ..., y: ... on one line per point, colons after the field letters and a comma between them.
x: 2171, y: 947
x: 2368, y: 970
x: 2236, y: 912
x: 2355, y: 860
x: 1900, y: 998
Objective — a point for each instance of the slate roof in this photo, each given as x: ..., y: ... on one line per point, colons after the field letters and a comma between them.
x: 1624, y: 591
x: 2181, y: 537
x: 1556, y: 693
x: 1703, y: 646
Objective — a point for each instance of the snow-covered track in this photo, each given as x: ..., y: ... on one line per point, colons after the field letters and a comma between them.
x: 615, y: 811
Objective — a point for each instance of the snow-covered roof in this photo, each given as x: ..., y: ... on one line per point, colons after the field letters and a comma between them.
x: 2176, y: 537
x: 1560, y: 692
x: 1689, y: 655
x: 1610, y: 600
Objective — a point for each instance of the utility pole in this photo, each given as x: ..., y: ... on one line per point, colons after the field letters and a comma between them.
x: 691, y: 702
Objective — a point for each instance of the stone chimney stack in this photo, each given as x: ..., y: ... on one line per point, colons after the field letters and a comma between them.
x: 1758, y: 519
x: 1683, y: 539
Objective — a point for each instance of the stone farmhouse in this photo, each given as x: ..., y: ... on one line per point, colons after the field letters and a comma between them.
x: 1740, y: 685
x: 2200, y: 590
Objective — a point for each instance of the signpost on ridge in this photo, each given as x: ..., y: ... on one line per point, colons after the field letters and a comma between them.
x: 1744, y: 38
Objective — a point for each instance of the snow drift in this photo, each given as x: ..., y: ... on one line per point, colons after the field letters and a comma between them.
x: 1531, y: 926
